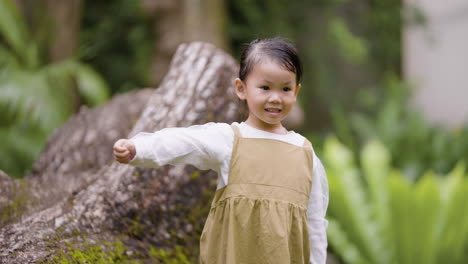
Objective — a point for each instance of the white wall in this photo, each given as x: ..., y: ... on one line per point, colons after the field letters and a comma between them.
x: 435, y: 60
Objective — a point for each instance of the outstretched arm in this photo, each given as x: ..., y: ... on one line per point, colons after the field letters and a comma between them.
x: 203, y: 146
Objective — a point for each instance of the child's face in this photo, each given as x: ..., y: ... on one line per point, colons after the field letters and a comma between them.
x: 270, y: 92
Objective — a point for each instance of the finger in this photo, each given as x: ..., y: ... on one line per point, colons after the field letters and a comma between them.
x: 120, y: 143
x: 119, y: 147
x: 122, y: 154
x: 120, y: 151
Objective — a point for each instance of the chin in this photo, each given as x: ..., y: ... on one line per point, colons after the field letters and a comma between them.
x: 272, y: 123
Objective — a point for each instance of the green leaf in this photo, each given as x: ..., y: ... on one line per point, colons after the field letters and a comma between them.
x: 375, y: 161
x: 7, y: 58
x: 453, y: 232
x: 14, y: 31
x: 91, y: 86
x: 349, y: 200
x: 351, y: 47
x: 364, y: 127
x: 400, y: 206
x: 341, y: 243
x: 387, y: 121
x: 342, y: 128
x: 426, y: 215
x: 27, y: 95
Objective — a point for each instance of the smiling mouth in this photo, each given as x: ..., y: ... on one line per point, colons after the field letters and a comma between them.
x: 273, y: 110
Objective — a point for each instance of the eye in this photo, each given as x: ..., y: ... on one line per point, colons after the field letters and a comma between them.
x: 286, y: 89
x: 265, y: 88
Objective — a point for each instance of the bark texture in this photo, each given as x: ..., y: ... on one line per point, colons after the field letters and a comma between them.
x: 65, y: 17
x: 86, y: 196
x: 178, y: 21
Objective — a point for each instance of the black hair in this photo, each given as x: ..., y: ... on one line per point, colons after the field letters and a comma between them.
x: 277, y: 49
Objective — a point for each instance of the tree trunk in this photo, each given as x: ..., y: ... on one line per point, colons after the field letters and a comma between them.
x: 110, y: 201
x: 178, y: 21
x: 206, y: 20
x: 66, y: 22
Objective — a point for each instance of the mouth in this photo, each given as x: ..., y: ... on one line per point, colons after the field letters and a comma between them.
x: 273, y: 110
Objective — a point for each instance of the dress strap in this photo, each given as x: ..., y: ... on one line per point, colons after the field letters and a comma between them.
x: 307, y: 143
x: 235, y: 146
x: 236, y: 131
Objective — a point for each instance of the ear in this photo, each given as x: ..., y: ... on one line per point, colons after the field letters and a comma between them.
x: 240, y: 89
x: 298, y: 88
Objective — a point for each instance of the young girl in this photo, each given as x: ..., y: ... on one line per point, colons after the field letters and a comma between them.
x: 272, y: 191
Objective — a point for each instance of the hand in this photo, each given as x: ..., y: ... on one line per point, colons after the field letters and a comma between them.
x: 124, y: 150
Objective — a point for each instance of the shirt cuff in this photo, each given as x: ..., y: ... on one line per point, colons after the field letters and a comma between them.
x: 144, y: 155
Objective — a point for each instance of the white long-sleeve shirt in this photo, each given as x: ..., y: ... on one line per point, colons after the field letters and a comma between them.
x: 210, y: 146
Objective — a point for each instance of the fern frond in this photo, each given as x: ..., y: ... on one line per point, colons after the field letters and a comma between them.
x: 340, y: 241
x: 349, y: 197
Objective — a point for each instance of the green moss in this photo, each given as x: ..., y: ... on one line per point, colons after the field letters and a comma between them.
x: 13, y: 210
x: 175, y: 256
x: 194, y: 175
x: 60, y: 230
x: 136, y: 228
x: 136, y: 173
x: 71, y: 201
x: 17, y: 207
x: 106, y: 253
x: 76, y: 232
x: 115, y: 253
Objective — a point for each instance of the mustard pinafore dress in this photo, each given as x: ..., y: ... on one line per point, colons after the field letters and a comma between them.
x: 260, y: 216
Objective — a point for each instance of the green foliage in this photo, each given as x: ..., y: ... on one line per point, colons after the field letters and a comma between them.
x: 97, y: 254
x: 14, y: 32
x: 414, y: 144
x: 351, y: 47
x: 379, y: 216
x: 118, y: 40
x: 37, y: 96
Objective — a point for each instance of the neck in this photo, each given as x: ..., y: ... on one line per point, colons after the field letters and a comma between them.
x: 272, y: 128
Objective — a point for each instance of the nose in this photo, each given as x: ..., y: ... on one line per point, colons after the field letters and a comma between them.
x: 274, y: 98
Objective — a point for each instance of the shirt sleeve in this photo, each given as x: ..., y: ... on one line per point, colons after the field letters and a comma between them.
x: 204, y: 146
x: 316, y: 211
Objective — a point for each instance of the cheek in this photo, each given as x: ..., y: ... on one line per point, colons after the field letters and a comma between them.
x: 289, y: 102
x: 255, y: 97
x: 290, y: 99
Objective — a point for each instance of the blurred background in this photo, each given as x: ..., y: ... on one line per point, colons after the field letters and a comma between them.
x: 384, y: 97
